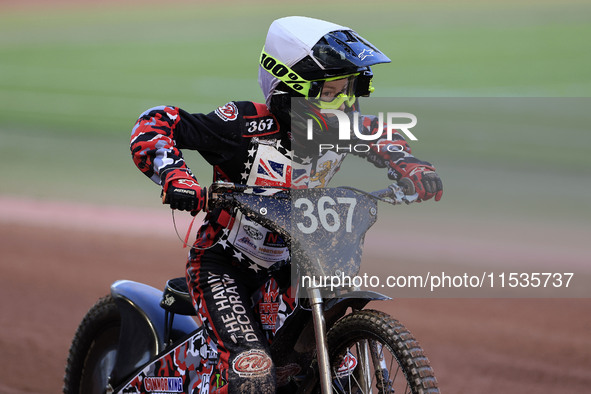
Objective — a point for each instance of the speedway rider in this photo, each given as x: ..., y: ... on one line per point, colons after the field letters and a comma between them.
x: 251, y: 143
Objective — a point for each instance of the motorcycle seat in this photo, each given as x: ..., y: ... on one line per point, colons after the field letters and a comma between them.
x: 176, y: 298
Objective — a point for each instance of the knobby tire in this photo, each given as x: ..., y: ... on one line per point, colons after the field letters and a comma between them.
x: 395, y: 360
x: 92, y: 353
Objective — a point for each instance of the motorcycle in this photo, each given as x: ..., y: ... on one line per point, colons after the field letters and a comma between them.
x: 139, y: 339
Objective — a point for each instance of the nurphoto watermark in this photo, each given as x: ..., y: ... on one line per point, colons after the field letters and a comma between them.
x: 350, y: 130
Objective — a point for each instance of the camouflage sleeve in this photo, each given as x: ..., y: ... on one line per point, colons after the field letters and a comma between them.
x: 153, y: 146
x: 393, y: 153
x: 160, y: 133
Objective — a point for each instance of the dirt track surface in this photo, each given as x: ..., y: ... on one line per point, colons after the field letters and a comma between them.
x: 51, y: 273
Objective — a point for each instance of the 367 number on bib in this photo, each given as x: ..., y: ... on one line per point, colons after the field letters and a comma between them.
x: 325, y: 214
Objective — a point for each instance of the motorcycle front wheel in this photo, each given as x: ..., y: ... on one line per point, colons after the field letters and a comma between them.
x: 93, y: 350
x: 371, y: 352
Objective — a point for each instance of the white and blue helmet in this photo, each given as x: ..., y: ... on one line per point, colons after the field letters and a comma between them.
x: 302, y: 53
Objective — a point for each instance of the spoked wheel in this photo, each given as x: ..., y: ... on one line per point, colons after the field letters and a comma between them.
x: 93, y: 351
x: 371, y: 352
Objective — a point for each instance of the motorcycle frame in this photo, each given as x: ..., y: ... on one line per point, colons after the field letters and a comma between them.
x: 143, y: 338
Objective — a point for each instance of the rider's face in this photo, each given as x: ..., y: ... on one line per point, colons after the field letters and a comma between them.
x: 332, y: 89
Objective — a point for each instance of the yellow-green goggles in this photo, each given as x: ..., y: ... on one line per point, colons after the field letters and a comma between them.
x: 326, y: 98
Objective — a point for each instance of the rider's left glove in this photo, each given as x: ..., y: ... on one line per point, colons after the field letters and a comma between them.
x: 185, y: 195
x: 423, y: 180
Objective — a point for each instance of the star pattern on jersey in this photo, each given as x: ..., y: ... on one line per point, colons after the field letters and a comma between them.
x: 239, y: 256
x: 254, y: 267
x: 223, y: 243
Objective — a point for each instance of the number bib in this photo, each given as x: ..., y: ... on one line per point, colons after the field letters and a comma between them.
x: 262, y: 246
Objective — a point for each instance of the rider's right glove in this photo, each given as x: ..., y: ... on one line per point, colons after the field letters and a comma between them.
x: 185, y: 195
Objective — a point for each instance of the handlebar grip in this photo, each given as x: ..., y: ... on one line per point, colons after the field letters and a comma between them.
x: 395, y: 194
x: 407, y: 186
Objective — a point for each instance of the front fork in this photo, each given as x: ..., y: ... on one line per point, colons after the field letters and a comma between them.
x: 370, y: 351
x: 321, y: 342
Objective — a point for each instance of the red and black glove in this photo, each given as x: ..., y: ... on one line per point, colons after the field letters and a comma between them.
x: 421, y: 179
x: 185, y: 195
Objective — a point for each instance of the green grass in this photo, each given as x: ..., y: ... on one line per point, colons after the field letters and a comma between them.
x: 73, y: 80
x: 93, y: 69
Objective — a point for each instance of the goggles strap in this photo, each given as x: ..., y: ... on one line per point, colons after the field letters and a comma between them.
x: 285, y: 74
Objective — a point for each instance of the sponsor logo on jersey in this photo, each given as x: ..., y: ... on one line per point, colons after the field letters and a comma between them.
x: 227, y: 112
x: 247, y: 242
x: 219, y: 381
x: 274, y: 240
x: 253, y: 232
x: 163, y: 385
x: 252, y: 363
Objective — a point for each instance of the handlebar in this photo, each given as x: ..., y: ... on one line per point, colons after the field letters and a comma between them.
x: 394, y: 194
x: 220, y: 193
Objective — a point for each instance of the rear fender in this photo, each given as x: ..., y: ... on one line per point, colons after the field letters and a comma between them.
x: 142, y: 326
